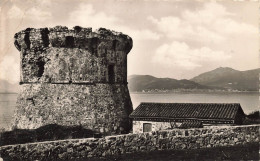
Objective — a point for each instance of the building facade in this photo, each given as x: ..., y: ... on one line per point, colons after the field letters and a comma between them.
x: 74, y: 77
x: 162, y: 116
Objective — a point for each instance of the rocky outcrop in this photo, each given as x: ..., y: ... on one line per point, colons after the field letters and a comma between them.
x: 133, y: 143
x: 74, y: 77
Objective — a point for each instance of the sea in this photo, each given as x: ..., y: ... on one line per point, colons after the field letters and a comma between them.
x: 248, y: 100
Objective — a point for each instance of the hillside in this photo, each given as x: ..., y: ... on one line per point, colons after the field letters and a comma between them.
x: 229, y: 78
x: 147, y: 82
x: 220, y: 78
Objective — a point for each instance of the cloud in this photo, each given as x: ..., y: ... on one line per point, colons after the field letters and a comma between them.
x: 86, y: 15
x: 34, y: 13
x: 143, y: 34
x: 15, y: 12
x: 174, y: 27
x: 181, y: 55
x: 38, y: 14
x: 210, y: 24
x: 9, y: 67
x: 207, y: 15
x: 44, y: 3
x: 229, y: 26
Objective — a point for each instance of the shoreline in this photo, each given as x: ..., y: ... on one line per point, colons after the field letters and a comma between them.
x: 156, y: 91
x: 184, y: 91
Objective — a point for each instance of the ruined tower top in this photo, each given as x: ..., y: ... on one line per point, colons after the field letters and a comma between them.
x: 60, y: 55
x: 78, y: 37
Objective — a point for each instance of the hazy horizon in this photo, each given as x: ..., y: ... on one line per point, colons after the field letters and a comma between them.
x: 199, y: 73
x: 164, y: 77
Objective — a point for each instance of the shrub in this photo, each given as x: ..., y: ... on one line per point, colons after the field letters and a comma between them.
x: 45, y: 133
x: 254, y: 115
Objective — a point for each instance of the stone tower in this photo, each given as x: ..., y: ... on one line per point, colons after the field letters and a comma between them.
x: 73, y: 77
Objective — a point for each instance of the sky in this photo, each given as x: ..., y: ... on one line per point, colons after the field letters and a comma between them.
x: 174, y: 38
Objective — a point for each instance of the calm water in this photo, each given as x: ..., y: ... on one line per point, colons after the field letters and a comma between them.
x: 248, y: 101
x: 7, y: 105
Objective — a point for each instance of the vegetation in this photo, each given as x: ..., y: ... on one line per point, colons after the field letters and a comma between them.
x: 45, y: 133
x: 252, y: 118
x: 254, y: 115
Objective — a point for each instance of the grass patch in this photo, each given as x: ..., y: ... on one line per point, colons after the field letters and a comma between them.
x: 49, y: 132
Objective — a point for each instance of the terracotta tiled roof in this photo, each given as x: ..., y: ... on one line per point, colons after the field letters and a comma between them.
x: 225, y: 111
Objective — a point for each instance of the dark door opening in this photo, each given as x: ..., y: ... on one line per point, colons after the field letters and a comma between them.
x: 69, y: 42
x: 40, y: 65
x: 147, y: 127
x: 111, y: 73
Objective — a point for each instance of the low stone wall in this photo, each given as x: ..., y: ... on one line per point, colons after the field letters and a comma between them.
x: 131, y: 143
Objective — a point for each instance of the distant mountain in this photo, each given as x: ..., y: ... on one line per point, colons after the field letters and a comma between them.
x: 147, y: 82
x: 6, y: 87
x: 229, y: 78
x: 220, y: 78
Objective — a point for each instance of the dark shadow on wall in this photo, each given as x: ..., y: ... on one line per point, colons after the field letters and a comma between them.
x: 49, y: 132
x: 69, y: 42
x: 40, y: 65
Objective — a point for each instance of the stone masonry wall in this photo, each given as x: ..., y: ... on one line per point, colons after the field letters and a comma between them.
x: 132, y: 143
x: 61, y: 55
x: 74, y: 77
x: 103, y: 108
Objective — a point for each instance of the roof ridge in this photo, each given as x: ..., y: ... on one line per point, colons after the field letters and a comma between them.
x: 187, y: 110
